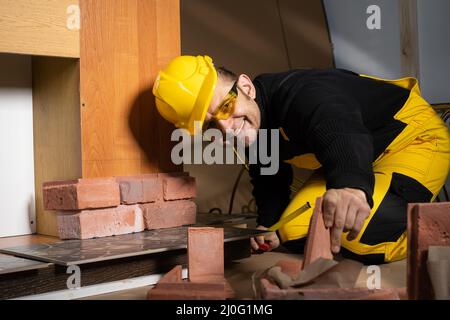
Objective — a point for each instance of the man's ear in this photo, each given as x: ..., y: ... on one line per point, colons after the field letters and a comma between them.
x: 246, y: 85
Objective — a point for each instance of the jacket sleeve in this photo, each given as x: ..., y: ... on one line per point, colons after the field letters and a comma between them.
x: 331, y: 123
x: 271, y: 192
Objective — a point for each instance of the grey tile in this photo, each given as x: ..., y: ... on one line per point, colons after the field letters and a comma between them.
x: 93, y: 250
x: 11, y: 264
x: 218, y: 219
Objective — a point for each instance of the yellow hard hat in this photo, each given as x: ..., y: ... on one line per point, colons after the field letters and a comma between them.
x: 183, y: 91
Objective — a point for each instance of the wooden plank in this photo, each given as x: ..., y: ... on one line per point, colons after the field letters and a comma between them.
x: 409, y: 38
x: 168, y: 44
x: 56, y: 127
x: 39, y: 27
x: 10, y: 264
x: 77, y: 252
x: 24, y: 240
x: 123, y: 45
x: 55, y: 277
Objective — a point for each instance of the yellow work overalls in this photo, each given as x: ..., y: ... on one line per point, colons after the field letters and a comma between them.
x: 421, y: 151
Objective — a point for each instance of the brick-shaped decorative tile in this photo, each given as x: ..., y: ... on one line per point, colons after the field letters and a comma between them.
x: 205, y: 254
x: 318, y: 243
x: 179, y: 187
x: 172, y: 287
x: 81, y: 194
x: 140, y: 189
x: 290, y: 267
x: 98, y: 223
x: 152, y: 187
x: 428, y: 225
x: 170, y: 294
x: 173, y: 276
x: 169, y: 214
x: 193, y: 286
x: 270, y: 291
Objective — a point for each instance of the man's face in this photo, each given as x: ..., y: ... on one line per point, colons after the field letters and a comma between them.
x: 245, y: 120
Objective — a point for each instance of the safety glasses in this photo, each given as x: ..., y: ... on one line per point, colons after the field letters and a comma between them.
x: 225, y: 109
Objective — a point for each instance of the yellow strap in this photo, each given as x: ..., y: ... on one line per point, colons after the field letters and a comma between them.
x: 283, y: 134
x: 290, y: 217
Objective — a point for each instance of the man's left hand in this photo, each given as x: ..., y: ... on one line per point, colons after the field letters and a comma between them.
x: 344, y: 210
x: 271, y: 238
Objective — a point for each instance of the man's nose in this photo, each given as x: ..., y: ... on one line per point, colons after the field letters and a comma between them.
x: 225, y: 125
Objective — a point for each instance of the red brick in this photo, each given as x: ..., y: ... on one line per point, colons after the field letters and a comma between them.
x: 318, y: 243
x: 169, y: 214
x: 428, y: 225
x: 349, y: 294
x: 97, y: 223
x: 173, y: 276
x: 140, y: 189
x: 172, y: 287
x: 177, y: 188
x: 271, y: 291
x: 291, y: 267
x: 205, y: 254
x: 192, y: 286
x: 169, y: 294
x: 81, y: 194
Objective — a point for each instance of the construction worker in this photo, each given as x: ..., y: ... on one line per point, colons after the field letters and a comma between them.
x: 375, y: 144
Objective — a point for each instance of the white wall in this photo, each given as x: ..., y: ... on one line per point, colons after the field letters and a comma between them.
x: 434, y: 49
x: 16, y: 146
x: 377, y: 52
x: 356, y: 47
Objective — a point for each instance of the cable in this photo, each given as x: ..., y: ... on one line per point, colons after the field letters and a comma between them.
x: 233, y: 193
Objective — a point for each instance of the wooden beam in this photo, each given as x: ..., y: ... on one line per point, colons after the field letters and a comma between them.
x: 56, y: 128
x: 409, y: 38
x: 39, y: 27
x: 123, y: 45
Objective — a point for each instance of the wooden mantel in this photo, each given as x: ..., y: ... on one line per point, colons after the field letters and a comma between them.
x: 95, y: 116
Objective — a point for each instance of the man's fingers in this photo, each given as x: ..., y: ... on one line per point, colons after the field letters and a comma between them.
x: 271, y: 239
x: 256, y: 241
x: 329, y: 206
x: 361, y: 217
x: 338, y: 227
x: 274, y: 241
x: 253, y: 244
x: 350, y: 218
x: 260, y: 239
x: 336, y: 239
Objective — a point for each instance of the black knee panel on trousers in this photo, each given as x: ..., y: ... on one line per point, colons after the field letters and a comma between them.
x: 295, y: 246
x: 389, y: 222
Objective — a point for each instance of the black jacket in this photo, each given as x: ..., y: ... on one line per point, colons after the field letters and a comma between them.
x: 346, y: 120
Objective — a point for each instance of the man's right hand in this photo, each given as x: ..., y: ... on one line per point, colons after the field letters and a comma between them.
x: 271, y: 238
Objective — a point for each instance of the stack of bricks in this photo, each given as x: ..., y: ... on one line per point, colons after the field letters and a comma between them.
x: 101, y: 207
